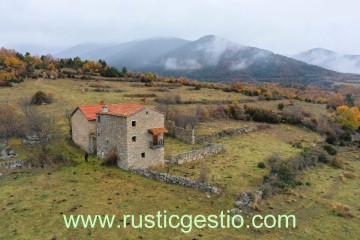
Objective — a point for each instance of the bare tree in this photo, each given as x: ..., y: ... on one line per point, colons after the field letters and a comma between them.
x: 42, y: 127
x: 11, y: 121
x: 182, y: 120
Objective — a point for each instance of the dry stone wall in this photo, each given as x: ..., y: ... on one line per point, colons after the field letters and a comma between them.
x: 187, y: 135
x: 168, y: 178
x: 209, y: 150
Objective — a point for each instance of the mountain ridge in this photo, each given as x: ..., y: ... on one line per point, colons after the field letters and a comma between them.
x: 210, y: 58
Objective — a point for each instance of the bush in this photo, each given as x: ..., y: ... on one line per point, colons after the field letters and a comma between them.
x: 111, y: 158
x: 261, y: 165
x: 41, y: 98
x: 331, y: 138
x: 280, y: 106
x: 297, y: 144
x: 204, y: 171
x: 346, y: 136
x: 323, y: 158
x: 341, y: 210
x: 330, y: 149
x: 262, y: 115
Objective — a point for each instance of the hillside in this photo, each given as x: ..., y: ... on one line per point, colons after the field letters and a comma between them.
x: 133, y: 54
x: 331, y: 60
x: 91, y: 188
x: 216, y: 59
x: 209, y: 58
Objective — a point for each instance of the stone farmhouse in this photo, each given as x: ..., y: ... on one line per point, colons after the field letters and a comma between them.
x: 134, y: 131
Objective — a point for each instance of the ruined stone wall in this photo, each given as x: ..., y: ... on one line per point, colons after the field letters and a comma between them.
x: 209, y: 150
x: 186, y: 135
x: 225, y: 133
x: 165, y: 177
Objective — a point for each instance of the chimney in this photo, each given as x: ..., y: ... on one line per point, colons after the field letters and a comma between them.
x: 105, y: 109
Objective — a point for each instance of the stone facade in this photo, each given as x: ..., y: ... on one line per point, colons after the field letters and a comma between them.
x: 117, y: 133
x: 209, y: 150
x: 83, y: 131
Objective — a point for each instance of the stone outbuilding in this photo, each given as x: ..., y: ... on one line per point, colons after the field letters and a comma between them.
x: 135, y: 132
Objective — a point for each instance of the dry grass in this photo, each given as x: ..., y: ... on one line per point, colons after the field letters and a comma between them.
x: 341, y: 210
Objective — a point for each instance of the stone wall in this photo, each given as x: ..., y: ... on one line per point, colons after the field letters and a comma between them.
x: 209, y: 150
x: 82, y: 129
x: 168, y: 178
x: 186, y: 135
x: 225, y: 133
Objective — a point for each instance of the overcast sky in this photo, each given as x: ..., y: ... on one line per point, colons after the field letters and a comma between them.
x: 282, y: 26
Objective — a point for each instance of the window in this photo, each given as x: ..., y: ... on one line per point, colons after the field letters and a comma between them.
x: 133, y: 123
x: 98, y: 119
x: 134, y: 138
x: 147, y: 112
x: 143, y: 155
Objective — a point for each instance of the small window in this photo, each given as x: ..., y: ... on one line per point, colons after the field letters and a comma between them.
x: 98, y: 118
x: 133, y: 123
x: 143, y: 155
x: 147, y: 112
x: 98, y: 134
x: 134, y: 138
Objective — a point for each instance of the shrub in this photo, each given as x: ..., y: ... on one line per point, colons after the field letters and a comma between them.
x: 111, y: 158
x: 297, y: 144
x: 330, y: 149
x: 261, y: 165
x: 331, y: 138
x: 350, y: 175
x: 204, y: 171
x: 41, y: 98
x: 280, y: 106
x: 345, y: 136
x: 262, y: 115
x: 323, y: 158
x: 341, y: 210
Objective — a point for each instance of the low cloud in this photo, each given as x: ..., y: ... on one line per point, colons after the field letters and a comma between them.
x: 186, y: 64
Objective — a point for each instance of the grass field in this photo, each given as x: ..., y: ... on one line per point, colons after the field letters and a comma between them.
x: 32, y: 201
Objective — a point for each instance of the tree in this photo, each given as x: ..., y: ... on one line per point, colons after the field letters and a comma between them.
x: 110, y: 72
x: 150, y: 76
x: 41, y: 98
x: 335, y: 100
x: 280, y: 106
x: 348, y: 118
x: 124, y: 70
x: 11, y: 121
x: 349, y: 100
x: 39, y: 125
x: 51, y: 66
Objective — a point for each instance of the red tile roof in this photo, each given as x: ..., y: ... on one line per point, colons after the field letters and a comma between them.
x: 121, y: 110
x: 157, y: 131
